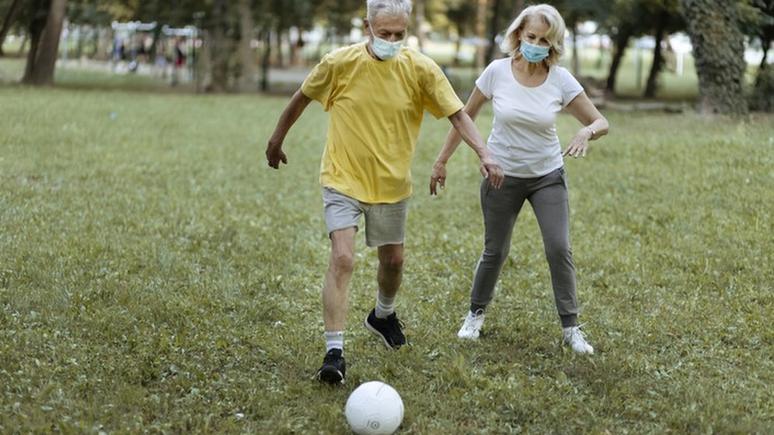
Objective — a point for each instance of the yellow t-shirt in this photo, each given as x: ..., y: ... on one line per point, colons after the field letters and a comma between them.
x: 376, y: 110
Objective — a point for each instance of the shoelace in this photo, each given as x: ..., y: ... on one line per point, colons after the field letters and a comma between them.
x: 576, y: 332
x: 394, y: 326
x: 473, y: 323
x: 329, y: 357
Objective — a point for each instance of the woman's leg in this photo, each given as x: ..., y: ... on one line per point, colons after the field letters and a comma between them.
x: 500, y: 208
x: 550, y: 202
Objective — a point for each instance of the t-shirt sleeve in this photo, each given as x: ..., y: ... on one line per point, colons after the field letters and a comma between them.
x: 485, y: 82
x: 319, y: 84
x: 440, y: 99
x: 571, y: 88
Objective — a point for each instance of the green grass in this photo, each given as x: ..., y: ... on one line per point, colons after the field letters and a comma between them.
x: 157, y: 277
x: 98, y: 76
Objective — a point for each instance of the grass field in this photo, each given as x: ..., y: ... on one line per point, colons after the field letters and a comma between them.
x: 157, y: 277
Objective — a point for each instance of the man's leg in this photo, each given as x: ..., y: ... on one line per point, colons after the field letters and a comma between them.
x: 388, y: 277
x: 382, y: 320
x: 336, y: 303
x: 390, y: 273
x: 336, y: 285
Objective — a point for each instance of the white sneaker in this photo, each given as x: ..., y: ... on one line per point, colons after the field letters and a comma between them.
x: 472, y: 326
x: 577, y: 340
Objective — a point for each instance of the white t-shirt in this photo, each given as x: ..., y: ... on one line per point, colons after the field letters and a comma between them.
x: 523, y: 138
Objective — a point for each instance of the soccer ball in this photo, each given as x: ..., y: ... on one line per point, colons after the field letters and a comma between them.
x: 374, y: 408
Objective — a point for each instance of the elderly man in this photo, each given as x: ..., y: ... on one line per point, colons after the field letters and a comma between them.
x: 376, y: 92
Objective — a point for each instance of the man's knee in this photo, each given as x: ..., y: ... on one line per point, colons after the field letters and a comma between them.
x: 342, y: 262
x: 392, y: 261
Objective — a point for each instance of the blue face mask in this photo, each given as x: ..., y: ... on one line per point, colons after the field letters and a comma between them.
x: 533, y: 53
x: 383, y: 49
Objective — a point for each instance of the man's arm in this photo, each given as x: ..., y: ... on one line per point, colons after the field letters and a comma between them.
x: 292, y: 112
x: 465, y: 129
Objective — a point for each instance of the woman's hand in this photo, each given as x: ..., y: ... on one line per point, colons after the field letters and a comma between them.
x: 579, y: 144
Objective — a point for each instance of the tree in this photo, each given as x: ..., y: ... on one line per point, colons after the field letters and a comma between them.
x: 494, y: 27
x: 481, y: 15
x: 718, y: 48
x: 621, y: 35
x: 46, y: 29
x: 461, y: 14
x: 9, y: 20
x: 668, y: 20
x: 245, y: 80
x: 762, y: 96
x: 762, y: 27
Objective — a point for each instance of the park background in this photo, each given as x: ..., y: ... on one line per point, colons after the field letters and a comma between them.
x: 157, y: 277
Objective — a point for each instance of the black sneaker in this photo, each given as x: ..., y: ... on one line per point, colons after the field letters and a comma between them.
x: 389, y: 329
x: 333, y: 368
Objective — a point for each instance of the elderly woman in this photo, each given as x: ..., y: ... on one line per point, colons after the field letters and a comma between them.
x: 527, y: 90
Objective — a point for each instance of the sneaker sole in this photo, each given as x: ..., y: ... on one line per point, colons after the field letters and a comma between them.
x: 589, y: 351
x: 330, y: 376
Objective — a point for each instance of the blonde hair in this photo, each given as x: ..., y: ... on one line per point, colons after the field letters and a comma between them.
x: 555, y: 35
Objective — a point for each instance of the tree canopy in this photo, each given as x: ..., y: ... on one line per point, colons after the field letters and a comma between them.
x: 228, y: 30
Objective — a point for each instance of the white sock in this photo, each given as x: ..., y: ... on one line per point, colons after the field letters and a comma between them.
x: 334, y: 340
x: 384, y: 306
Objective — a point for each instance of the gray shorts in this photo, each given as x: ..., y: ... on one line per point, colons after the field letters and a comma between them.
x: 385, y: 224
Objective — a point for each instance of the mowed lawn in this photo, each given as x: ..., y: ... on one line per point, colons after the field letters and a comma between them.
x: 156, y: 276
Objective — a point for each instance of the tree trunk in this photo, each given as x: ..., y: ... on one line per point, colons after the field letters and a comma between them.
x: 494, y: 28
x: 658, y: 57
x: 518, y: 6
x: 10, y: 19
x: 245, y: 82
x: 765, y: 44
x: 37, y: 25
x: 718, y: 48
x: 42, y: 71
x: 576, y: 68
x: 218, y: 47
x: 481, y: 34
x: 279, y: 56
x: 621, y: 42
x: 203, y: 64
x: 298, y: 45
x: 458, y: 46
x: 419, y: 19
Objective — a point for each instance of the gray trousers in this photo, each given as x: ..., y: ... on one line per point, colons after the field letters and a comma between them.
x: 501, y: 207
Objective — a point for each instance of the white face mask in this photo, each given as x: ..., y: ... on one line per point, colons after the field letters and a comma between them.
x: 383, y: 49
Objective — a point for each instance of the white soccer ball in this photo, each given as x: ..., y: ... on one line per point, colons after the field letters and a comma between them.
x: 374, y: 408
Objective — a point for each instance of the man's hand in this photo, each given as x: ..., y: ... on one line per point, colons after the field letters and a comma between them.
x: 295, y: 107
x: 437, y: 177
x: 274, y: 155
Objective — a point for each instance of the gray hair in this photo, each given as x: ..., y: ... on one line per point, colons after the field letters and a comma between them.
x: 390, y: 7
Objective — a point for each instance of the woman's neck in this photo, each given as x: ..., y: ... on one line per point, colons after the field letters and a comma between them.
x: 527, y: 67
